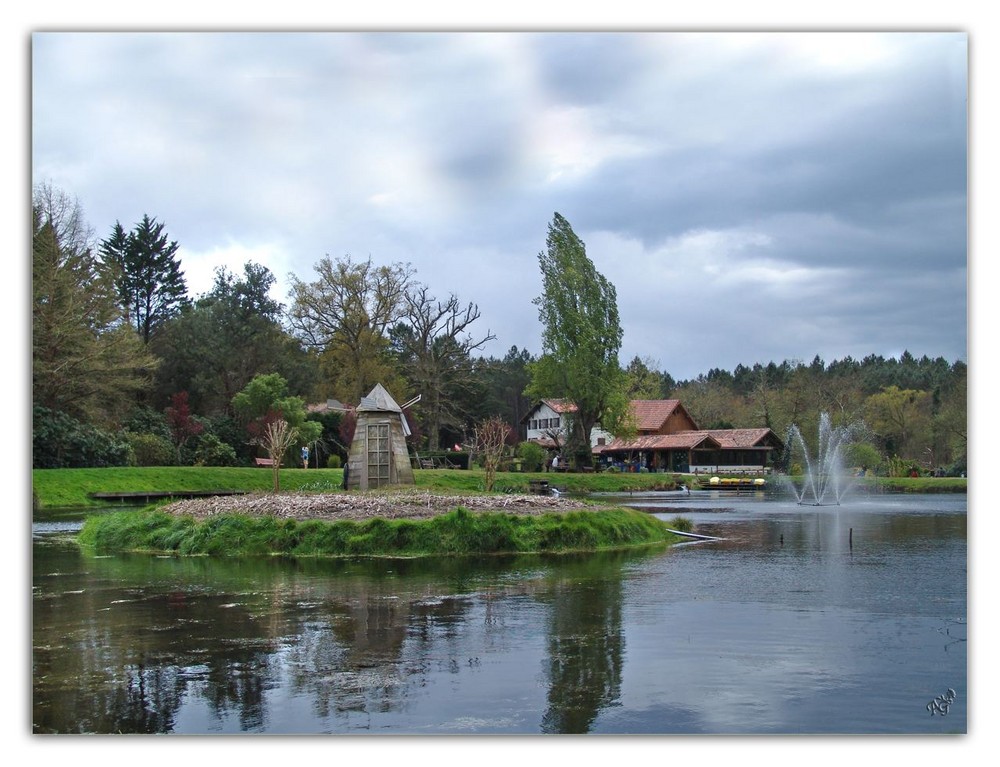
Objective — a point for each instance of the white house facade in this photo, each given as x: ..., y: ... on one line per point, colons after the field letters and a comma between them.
x: 548, y: 424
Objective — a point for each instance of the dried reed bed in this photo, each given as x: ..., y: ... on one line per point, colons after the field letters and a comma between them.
x: 367, y: 505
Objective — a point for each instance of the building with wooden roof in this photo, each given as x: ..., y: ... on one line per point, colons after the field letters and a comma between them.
x: 667, y: 439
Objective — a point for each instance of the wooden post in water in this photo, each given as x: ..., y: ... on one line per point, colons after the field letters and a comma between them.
x: 850, y: 539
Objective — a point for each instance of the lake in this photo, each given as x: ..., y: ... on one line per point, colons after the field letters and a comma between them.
x: 847, y: 619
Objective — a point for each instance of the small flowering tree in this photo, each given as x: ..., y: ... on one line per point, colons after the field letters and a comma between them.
x: 490, y: 439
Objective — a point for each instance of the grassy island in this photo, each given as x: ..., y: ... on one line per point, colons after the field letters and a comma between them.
x: 459, y: 531
x: 446, y: 513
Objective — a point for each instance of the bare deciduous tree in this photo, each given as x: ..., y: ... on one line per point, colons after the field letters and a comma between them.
x: 491, y: 437
x: 436, y: 344
x: 345, y: 313
x: 276, y: 438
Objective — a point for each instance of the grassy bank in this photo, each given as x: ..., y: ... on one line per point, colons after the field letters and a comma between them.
x: 457, y: 532
x: 69, y: 488
x: 917, y: 484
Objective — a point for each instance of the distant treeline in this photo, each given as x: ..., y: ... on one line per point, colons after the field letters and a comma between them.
x: 914, y: 408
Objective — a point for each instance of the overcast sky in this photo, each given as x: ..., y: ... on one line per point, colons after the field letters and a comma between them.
x: 753, y: 197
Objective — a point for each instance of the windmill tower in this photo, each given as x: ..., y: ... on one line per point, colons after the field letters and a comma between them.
x: 378, y: 455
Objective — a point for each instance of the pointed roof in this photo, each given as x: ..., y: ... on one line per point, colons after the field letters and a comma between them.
x: 650, y: 414
x: 379, y: 400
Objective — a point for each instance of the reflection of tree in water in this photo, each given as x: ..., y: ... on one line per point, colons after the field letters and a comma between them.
x: 585, y: 644
x: 238, y: 680
x: 130, y: 672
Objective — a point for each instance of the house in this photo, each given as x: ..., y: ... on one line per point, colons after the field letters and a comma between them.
x: 739, y: 451
x: 547, y: 423
x: 667, y: 439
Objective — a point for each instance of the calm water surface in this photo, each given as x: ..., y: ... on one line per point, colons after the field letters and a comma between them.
x: 791, y: 624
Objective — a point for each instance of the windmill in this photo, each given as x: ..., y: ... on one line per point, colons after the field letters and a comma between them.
x: 378, y: 456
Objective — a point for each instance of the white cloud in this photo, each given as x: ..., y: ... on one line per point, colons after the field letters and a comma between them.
x: 199, y: 266
x: 704, y: 171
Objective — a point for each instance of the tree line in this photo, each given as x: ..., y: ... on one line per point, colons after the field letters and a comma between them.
x: 127, y: 367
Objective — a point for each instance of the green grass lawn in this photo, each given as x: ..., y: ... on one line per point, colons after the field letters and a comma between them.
x: 69, y: 488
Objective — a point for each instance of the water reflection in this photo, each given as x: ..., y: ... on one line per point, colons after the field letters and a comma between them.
x: 585, y: 645
x: 122, y: 644
x: 784, y: 626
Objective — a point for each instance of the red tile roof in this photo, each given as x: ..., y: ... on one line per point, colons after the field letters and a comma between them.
x: 650, y: 414
x: 560, y: 405
x: 731, y: 439
x: 684, y: 440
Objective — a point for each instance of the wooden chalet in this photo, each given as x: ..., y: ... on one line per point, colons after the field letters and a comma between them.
x: 667, y: 439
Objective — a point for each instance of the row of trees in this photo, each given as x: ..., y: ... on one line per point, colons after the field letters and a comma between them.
x: 914, y: 409
x: 116, y: 339
x: 127, y: 366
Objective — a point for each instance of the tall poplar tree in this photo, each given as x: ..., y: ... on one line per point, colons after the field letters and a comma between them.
x: 581, y: 336
x: 147, y: 274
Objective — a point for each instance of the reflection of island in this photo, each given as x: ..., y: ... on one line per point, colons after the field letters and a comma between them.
x: 586, y: 645
x: 110, y: 658
x: 154, y: 645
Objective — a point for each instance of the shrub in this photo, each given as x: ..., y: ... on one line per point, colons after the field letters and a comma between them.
x: 334, y: 462
x: 212, y: 451
x: 532, y: 456
x: 150, y: 450
x: 863, y: 454
x: 683, y: 524
x: 61, y: 442
x: 145, y: 420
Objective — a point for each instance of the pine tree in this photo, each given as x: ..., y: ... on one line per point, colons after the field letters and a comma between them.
x: 147, y: 275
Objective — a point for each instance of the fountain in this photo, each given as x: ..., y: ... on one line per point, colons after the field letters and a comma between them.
x: 824, y: 482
